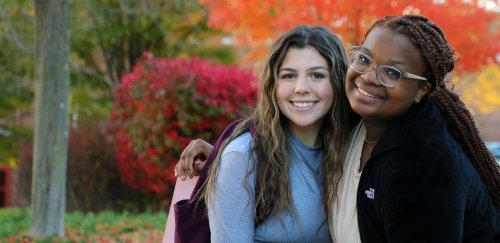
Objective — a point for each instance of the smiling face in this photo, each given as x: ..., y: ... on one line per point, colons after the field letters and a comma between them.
x: 370, y: 99
x: 304, y: 91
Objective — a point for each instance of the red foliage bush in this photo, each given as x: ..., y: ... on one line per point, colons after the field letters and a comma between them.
x: 164, y: 103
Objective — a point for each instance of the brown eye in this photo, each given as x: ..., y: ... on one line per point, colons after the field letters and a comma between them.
x: 391, y: 73
x: 318, y: 75
x: 363, y: 59
x: 287, y: 76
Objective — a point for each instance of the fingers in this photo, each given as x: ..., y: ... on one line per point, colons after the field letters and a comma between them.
x: 185, y: 161
x: 198, y: 165
x: 201, y: 150
x: 192, y: 159
x: 178, y: 172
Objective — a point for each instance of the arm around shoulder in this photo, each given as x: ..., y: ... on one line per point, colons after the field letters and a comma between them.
x: 230, y: 213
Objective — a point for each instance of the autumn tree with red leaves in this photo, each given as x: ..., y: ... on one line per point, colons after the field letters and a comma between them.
x: 162, y: 104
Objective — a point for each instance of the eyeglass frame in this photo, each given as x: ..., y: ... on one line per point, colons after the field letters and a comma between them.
x: 404, y: 74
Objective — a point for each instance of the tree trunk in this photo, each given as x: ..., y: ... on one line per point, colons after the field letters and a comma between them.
x: 48, y: 201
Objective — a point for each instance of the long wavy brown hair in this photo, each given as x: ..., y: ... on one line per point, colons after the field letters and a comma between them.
x: 272, y: 186
x: 440, y: 58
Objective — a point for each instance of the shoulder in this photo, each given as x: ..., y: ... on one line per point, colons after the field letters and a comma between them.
x: 236, y: 156
x: 241, y: 144
x: 427, y: 141
x: 438, y: 152
x: 431, y: 162
x: 422, y: 147
x: 236, y: 163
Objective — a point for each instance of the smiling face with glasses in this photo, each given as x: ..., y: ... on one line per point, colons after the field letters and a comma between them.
x: 374, y: 83
x: 386, y: 75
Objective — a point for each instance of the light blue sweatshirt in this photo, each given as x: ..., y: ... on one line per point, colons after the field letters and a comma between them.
x: 231, y: 216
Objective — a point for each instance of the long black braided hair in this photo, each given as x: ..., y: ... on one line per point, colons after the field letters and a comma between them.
x: 440, y: 58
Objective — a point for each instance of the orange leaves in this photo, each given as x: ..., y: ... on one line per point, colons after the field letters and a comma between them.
x: 257, y: 23
x: 470, y: 30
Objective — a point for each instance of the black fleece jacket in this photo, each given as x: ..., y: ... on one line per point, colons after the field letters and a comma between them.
x: 419, y: 186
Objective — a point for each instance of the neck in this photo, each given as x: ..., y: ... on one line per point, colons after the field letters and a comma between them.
x: 374, y: 131
x: 308, y: 136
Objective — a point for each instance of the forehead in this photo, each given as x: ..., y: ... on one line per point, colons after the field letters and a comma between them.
x: 386, y: 45
x: 305, y: 57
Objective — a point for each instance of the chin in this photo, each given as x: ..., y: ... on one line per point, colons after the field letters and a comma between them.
x: 360, y: 110
x: 304, y: 124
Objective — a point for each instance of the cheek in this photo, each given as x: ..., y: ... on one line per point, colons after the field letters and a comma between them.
x: 402, y: 98
x: 279, y: 90
x: 326, y: 93
x: 407, y: 91
x: 282, y: 92
x: 349, y: 79
x: 350, y: 74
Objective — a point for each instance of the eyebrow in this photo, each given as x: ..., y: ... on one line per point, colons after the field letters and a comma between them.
x: 398, y: 62
x: 392, y: 61
x: 311, y: 69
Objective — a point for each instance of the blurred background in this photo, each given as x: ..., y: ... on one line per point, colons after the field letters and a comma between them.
x: 147, y: 76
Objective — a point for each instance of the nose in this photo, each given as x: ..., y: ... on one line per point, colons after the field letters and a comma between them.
x: 302, y: 85
x: 371, y: 76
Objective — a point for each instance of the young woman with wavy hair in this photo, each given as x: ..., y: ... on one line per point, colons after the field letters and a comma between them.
x: 274, y: 177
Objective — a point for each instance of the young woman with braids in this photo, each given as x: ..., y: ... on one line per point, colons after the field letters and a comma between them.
x: 416, y: 169
x: 426, y: 174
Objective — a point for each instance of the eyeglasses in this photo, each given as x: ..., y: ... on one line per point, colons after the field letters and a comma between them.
x: 386, y: 75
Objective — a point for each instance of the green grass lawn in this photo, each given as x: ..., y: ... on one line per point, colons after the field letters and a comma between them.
x: 80, y: 227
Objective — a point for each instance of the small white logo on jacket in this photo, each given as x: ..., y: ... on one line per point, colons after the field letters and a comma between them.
x: 370, y: 193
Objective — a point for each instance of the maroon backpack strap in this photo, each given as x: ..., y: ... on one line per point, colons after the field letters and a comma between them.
x: 204, y: 172
x: 191, y: 221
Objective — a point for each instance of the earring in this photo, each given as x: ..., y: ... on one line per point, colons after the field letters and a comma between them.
x: 417, y: 99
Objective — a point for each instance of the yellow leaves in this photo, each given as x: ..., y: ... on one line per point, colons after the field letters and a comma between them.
x: 12, y: 162
x: 483, y: 93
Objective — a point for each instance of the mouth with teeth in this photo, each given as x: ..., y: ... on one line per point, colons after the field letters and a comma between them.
x: 303, y: 104
x: 366, y: 93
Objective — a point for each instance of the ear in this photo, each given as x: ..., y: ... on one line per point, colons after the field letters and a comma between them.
x: 423, y: 89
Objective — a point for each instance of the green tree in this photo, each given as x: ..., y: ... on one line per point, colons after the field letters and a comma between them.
x: 48, y: 192
x: 111, y: 35
x: 107, y: 37
x: 16, y: 74
x: 16, y: 69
